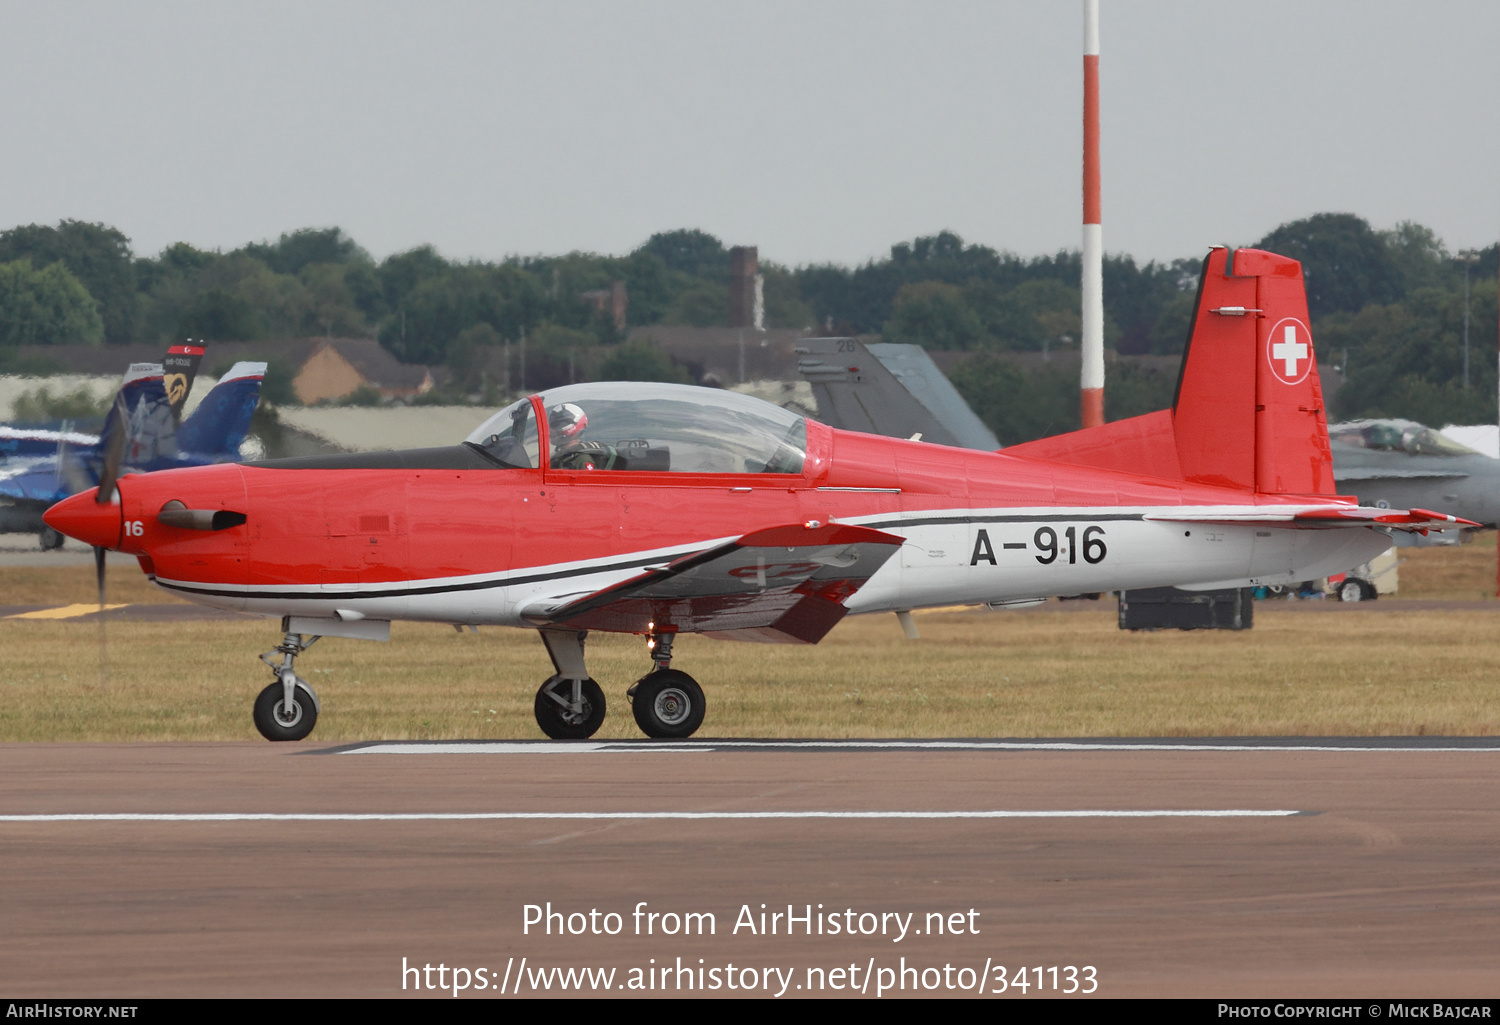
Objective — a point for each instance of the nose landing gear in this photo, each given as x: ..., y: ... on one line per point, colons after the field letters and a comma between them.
x: 288, y: 708
x: 569, y: 705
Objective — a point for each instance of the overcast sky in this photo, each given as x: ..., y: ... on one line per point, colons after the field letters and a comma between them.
x: 821, y: 131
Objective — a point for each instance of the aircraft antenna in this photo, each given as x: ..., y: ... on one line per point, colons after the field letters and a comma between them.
x: 1091, y: 374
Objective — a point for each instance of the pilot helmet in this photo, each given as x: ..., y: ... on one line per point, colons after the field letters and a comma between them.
x: 566, y: 421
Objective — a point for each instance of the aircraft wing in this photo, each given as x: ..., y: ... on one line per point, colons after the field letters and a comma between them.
x: 1373, y: 473
x: 781, y: 585
x: 34, y: 481
x: 1419, y: 520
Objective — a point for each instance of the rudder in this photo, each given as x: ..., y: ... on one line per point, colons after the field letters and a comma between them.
x: 1249, y: 407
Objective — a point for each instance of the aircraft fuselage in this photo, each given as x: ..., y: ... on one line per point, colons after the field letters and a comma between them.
x: 464, y: 544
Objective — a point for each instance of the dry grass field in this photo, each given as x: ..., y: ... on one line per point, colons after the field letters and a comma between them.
x: 1056, y: 671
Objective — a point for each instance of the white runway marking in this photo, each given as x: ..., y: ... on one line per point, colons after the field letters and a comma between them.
x: 682, y: 747
x: 1091, y: 813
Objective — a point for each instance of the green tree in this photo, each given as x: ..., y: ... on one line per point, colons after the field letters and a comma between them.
x: 1406, y: 359
x: 468, y: 355
x: 703, y: 305
x: 1345, y: 262
x: 642, y: 360
x: 331, y: 308
x: 433, y: 313
x: 215, y: 315
x: 295, y: 250
x: 558, y: 355
x: 1134, y: 387
x: 1016, y: 404
x: 784, y: 305
x: 400, y: 274
x: 689, y: 251
x: 1169, y: 333
x: 46, y: 307
x: 1419, y: 256
x: 934, y: 315
x: 97, y: 255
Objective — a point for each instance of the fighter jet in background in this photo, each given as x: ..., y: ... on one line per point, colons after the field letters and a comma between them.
x: 889, y: 389
x: 40, y: 468
x: 1398, y: 463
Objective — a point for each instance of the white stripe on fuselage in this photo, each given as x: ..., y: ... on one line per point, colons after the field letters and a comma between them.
x: 976, y: 556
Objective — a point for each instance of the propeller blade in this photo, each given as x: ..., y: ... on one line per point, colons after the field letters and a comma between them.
x: 114, y: 453
x: 99, y: 556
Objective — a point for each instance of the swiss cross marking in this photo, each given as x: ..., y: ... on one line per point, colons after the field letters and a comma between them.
x: 1288, y: 351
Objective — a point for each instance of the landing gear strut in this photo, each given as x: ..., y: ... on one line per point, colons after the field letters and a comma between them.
x: 288, y: 708
x: 569, y: 705
x: 667, y: 703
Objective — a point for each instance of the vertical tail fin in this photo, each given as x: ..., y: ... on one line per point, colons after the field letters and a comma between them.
x: 218, y: 426
x: 1249, y: 409
x: 1248, y: 413
x: 140, y: 393
x: 178, y: 370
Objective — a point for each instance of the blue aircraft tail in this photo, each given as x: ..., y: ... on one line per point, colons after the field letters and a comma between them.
x: 215, y: 430
x: 144, y: 413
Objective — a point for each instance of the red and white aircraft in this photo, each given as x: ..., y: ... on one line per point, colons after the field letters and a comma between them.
x: 656, y: 509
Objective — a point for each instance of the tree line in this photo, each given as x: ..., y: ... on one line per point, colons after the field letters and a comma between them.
x: 1388, y: 309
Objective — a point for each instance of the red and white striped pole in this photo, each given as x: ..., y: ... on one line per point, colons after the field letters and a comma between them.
x: 1091, y: 380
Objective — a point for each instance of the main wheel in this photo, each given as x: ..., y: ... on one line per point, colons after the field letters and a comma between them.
x: 1352, y: 590
x: 559, y: 720
x: 51, y: 540
x: 668, y: 704
x: 271, y: 717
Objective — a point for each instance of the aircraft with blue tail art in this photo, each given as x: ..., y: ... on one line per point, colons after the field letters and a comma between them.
x: 40, y: 468
x: 656, y: 509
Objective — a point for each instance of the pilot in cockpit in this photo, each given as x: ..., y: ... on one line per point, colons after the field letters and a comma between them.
x: 566, y: 423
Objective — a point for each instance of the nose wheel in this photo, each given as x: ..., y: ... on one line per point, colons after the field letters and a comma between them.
x: 276, y: 722
x: 570, y: 705
x: 569, y: 709
x: 288, y: 708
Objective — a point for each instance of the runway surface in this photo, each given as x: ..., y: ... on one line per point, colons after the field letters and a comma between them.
x: 1295, y: 867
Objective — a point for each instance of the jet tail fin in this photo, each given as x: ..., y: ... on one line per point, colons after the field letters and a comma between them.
x: 140, y: 391
x: 178, y: 370
x: 218, y: 426
x: 1248, y: 412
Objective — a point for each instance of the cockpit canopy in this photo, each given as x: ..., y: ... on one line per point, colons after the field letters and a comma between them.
x: 1396, y: 436
x: 645, y: 426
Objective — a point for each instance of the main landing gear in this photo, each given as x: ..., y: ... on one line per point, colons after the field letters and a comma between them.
x: 667, y: 703
x: 288, y: 708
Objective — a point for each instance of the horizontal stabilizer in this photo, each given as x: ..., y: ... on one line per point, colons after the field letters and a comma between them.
x: 1419, y: 520
x: 784, y: 584
x: 1374, y: 473
x: 1403, y: 519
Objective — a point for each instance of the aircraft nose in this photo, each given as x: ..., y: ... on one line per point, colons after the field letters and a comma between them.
x: 80, y: 517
